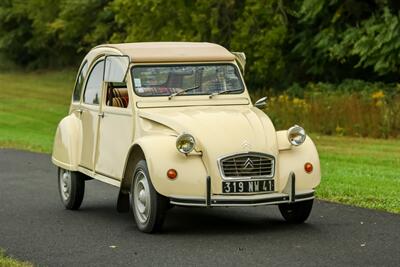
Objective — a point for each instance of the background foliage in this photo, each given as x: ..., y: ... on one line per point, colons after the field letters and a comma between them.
x: 334, y: 63
x: 286, y: 41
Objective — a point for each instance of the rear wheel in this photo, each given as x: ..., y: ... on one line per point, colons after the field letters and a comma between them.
x: 296, y: 212
x: 148, y: 206
x: 71, y: 186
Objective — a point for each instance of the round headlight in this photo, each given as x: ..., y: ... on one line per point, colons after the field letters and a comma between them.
x: 185, y: 143
x: 296, y: 135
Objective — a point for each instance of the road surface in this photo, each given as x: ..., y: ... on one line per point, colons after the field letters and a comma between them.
x: 34, y: 226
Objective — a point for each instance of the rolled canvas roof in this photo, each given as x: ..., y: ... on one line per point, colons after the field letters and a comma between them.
x: 172, y: 51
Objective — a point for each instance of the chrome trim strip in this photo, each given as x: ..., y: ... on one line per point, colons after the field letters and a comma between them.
x: 249, y: 153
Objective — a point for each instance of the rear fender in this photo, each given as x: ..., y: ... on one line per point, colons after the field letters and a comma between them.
x: 67, y: 143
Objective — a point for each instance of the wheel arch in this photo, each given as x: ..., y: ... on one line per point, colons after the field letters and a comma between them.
x: 160, y: 154
x: 135, y: 154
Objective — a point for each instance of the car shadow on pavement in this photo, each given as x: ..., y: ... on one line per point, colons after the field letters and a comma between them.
x: 198, y: 221
x: 228, y: 220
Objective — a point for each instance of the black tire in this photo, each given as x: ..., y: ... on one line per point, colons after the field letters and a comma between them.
x: 296, y: 212
x: 145, y: 199
x: 71, y: 189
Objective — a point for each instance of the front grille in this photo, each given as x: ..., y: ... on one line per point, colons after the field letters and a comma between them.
x: 247, y: 165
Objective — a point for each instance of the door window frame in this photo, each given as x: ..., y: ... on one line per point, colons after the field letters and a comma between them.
x: 94, y: 64
x: 84, y: 63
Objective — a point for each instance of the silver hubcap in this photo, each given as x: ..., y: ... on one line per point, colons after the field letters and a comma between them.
x: 141, y: 197
x: 65, y: 184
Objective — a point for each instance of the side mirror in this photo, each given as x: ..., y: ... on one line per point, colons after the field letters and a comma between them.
x: 261, y: 103
x: 115, y: 68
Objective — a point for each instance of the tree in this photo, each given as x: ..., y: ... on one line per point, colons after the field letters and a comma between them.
x: 348, y: 39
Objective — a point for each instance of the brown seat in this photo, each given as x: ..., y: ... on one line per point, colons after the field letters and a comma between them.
x: 119, y: 98
x: 120, y: 92
x: 121, y: 102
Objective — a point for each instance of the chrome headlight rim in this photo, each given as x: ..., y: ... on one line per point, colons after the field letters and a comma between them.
x: 189, y: 139
x: 296, y: 135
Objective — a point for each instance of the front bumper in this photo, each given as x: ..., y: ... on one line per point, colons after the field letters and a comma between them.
x: 289, y: 195
x: 240, y: 201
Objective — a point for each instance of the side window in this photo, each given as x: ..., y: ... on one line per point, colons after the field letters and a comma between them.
x: 79, y: 83
x: 94, y: 83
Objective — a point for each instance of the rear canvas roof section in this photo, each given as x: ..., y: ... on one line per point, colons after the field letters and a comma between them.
x: 148, y: 52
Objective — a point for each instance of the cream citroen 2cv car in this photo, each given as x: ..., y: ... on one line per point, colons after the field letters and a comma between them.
x: 173, y: 124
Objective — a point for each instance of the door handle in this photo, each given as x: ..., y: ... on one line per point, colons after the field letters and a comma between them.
x: 80, y: 111
x: 101, y: 115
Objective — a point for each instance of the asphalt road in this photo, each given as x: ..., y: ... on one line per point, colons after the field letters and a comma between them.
x: 34, y: 226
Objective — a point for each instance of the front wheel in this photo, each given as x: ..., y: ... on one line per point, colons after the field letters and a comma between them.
x: 148, y: 206
x: 296, y: 212
x: 71, y: 186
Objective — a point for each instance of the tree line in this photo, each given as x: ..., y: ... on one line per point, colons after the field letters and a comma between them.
x: 285, y: 41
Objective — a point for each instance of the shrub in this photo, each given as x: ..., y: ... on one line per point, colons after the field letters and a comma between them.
x: 352, y: 108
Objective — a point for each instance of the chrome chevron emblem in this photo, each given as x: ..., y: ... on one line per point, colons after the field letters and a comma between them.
x: 246, y: 145
x: 248, y: 164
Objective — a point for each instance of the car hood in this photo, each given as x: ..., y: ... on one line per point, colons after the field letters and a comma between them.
x: 219, y: 131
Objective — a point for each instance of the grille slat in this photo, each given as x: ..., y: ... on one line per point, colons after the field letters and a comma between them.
x: 234, y: 170
x: 247, y: 165
x: 230, y: 173
x: 254, y: 164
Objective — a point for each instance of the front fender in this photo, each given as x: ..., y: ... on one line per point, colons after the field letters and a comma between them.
x: 293, y: 159
x: 161, y: 155
x: 67, y: 143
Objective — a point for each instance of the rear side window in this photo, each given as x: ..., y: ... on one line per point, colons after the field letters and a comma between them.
x: 79, y: 83
x: 94, y: 84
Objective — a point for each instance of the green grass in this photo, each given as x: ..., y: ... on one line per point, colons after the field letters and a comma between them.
x: 31, y: 104
x: 6, y: 261
x: 361, y: 172
x: 356, y: 171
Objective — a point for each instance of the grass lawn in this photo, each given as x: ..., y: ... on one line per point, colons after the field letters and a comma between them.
x: 6, y: 261
x: 360, y: 171
x: 31, y: 104
x: 356, y: 171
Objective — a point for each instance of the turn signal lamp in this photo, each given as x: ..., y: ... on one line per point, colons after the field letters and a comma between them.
x: 308, y: 167
x: 172, y: 174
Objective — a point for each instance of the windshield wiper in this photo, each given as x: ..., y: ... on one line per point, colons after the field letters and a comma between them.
x: 183, y: 91
x: 224, y: 92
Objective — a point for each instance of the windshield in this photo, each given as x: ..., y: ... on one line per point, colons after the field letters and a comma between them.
x: 169, y: 80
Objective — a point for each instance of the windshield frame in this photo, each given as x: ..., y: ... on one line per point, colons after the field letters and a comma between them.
x: 235, y: 67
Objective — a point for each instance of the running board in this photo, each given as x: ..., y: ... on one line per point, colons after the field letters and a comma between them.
x: 100, y: 177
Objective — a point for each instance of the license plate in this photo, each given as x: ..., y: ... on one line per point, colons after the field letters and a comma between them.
x: 248, y: 186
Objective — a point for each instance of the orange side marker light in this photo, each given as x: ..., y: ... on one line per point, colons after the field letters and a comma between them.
x: 308, y: 167
x: 172, y: 174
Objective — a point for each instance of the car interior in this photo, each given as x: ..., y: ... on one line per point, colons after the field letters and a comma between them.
x: 117, y: 95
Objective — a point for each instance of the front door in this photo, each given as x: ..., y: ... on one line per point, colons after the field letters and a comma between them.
x: 115, y: 135
x: 90, y: 114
